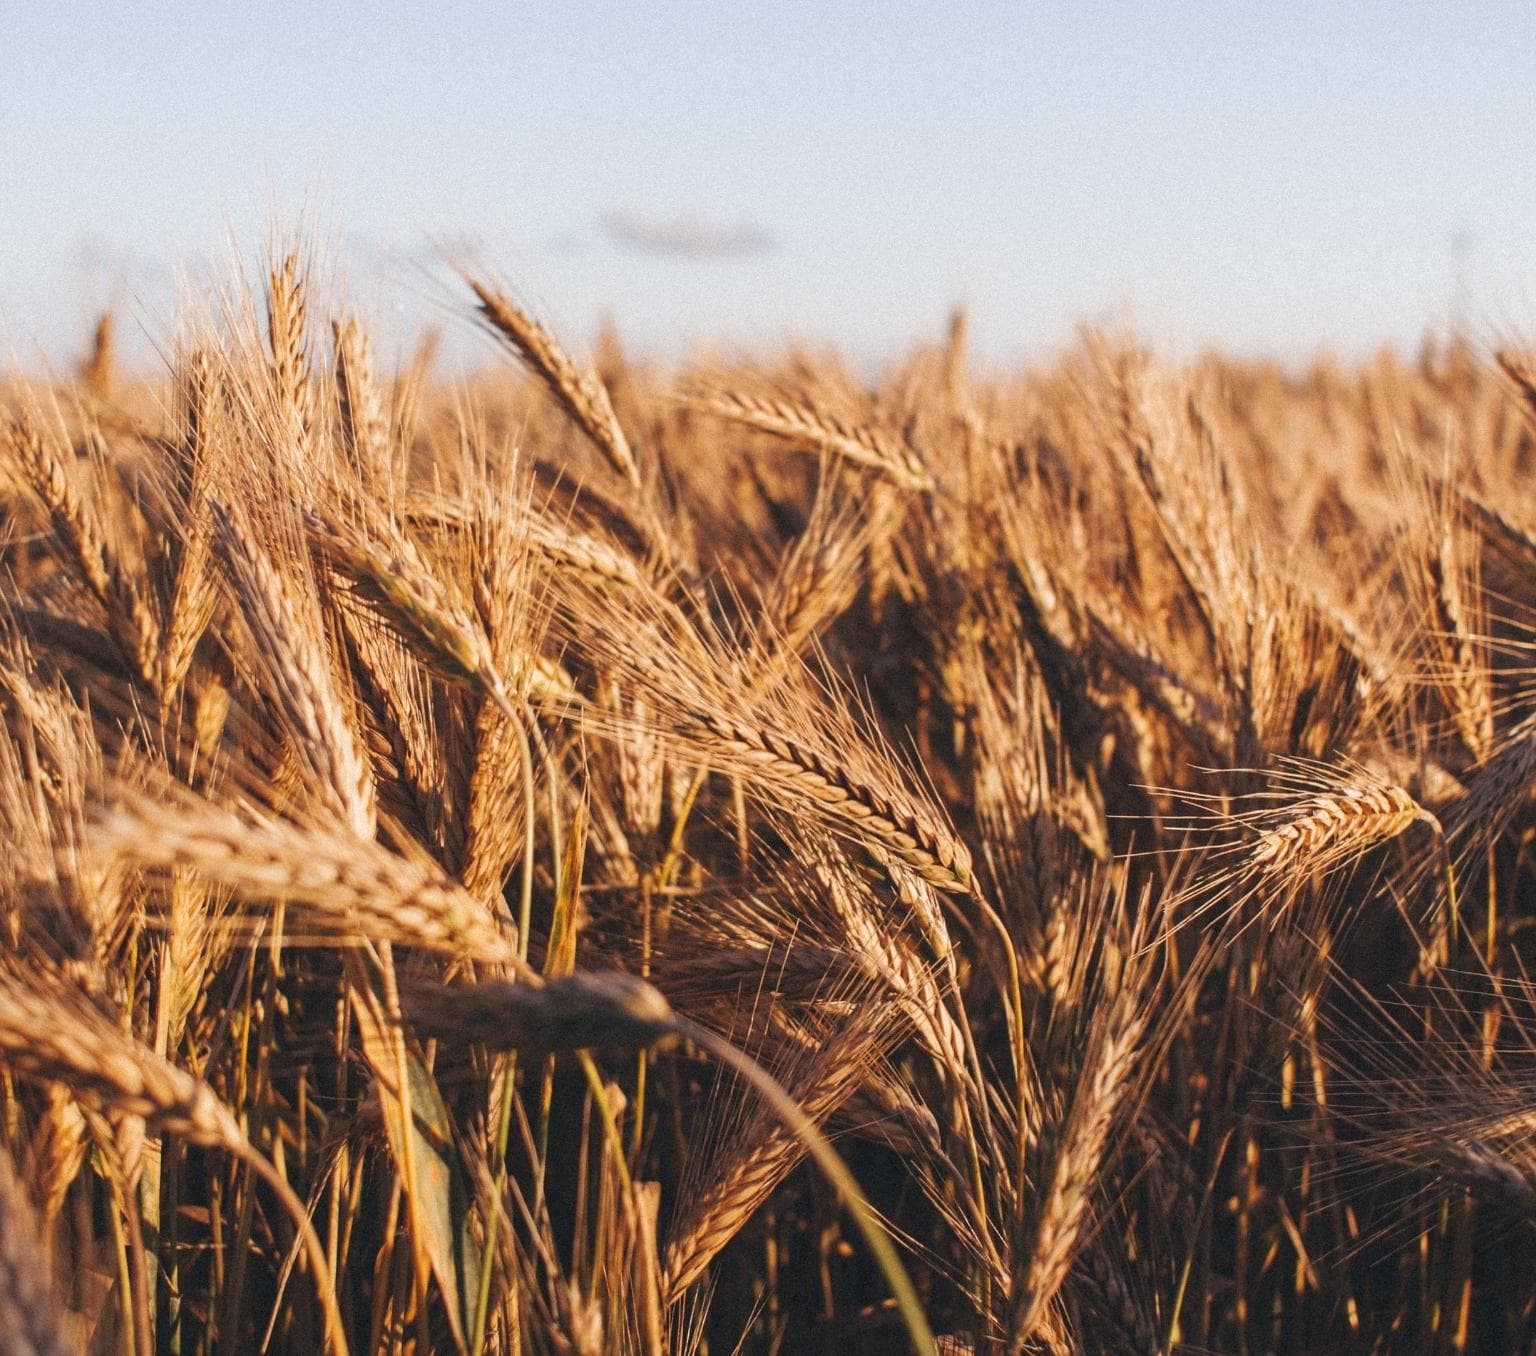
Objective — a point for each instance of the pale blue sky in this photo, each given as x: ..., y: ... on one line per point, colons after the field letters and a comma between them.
x: 1266, y: 177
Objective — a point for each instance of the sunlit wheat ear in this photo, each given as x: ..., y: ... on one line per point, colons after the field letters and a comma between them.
x: 1441, y: 568
x: 555, y: 541
x: 807, y: 424
x: 364, y: 420
x: 787, y: 739
x: 1326, y: 830
x: 1315, y: 818
x: 300, y: 679
x: 820, y: 574
x: 286, y: 322
x: 584, y: 398
x: 888, y: 817
x: 349, y: 890
x: 1521, y: 374
x: 1131, y: 653
x: 395, y: 582
x: 54, y: 1036
x: 99, y: 372
x: 57, y: 1151
x: 192, y: 593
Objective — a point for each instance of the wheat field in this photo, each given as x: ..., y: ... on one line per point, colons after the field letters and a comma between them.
x: 604, y: 858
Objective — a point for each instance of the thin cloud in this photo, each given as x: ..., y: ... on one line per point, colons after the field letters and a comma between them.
x: 687, y: 237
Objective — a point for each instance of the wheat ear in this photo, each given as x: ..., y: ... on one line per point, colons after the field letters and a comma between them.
x: 584, y: 398
x: 807, y: 424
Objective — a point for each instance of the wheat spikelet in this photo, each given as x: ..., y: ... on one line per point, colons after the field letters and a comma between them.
x: 553, y: 539
x: 582, y: 552
x: 99, y: 371
x: 822, y: 572
x: 1075, y: 1163
x: 1132, y: 655
x: 1483, y: 1168
x: 882, y: 815
x: 775, y: 731
x: 642, y: 765
x: 409, y: 388
x: 364, y: 423
x: 883, y: 950
x: 1442, y: 567
x: 57, y: 1152
x: 1326, y: 829
x: 290, y: 363
x: 395, y: 699
x: 1111, y: 1299
x: 52, y: 1036
x: 396, y: 582
x: 192, y: 593
x: 762, y: 1154
x: 496, y: 812
x: 300, y: 677
x: 805, y: 423
x: 354, y: 889
x: 1518, y: 370
x: 1467, y: 677
x: 585, y: 1010
x: 78, y: 529
x: 1513, y: 540
x: 1495, y: 792
x: 585, y: 399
